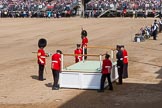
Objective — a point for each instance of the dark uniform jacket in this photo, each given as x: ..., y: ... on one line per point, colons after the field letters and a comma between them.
x: 119, y: 57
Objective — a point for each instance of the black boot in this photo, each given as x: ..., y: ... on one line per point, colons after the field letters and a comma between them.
x: 55, y: 88
x: 111, y: 88
x: 100, y: 90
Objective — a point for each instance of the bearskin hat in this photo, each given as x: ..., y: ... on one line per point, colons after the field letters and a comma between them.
x: 78, y: 45
x: 118, y: 46
x: 122, y: 46
x: 59, y: 51
x: 42, y: 43
x: 84, y: 33
x: 107, y: 56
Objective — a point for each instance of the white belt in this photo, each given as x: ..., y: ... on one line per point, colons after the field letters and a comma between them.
x: 42, y: 56
x: 120, y: 59
x: 125, y: 56
x: 54, y: 61
x: 107, y: 66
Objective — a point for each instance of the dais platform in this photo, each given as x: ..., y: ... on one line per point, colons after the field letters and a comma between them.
x: 84, y: 75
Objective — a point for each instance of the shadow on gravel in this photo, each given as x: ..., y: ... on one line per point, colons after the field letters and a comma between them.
x: 159, y: 72
x: 153, y: 49
x: 34, y: 77
x: 151, y: 64
x: 49, y: 85
x: 128, y: 95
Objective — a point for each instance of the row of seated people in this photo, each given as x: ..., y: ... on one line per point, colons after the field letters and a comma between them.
x: 36, y: 8
x: 34, y: 5
x: 149, y: 31
x: 121, y: 4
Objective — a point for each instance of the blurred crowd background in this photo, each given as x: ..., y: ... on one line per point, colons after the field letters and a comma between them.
x: 71, y: 8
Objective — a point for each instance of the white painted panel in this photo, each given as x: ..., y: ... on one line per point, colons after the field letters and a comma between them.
x: 69, y: 80
x: 90, y: 80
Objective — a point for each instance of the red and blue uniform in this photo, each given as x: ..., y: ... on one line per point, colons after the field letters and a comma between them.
x: 56, y: 62
x: 125, y: 64
x: 84, y: 42
x: 41, y: 56
x: 106, y: 66
x: 78, y: 56
x: 106, y: 73
x: 56, y: 68
x: 125, y: 56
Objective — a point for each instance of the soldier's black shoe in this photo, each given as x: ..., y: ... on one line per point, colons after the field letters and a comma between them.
x: 124, y: 77
x: 55, y: 88
x: 100, y: 91
x: 58, y: 85
x: 111, y: 89
x: 118, y: 83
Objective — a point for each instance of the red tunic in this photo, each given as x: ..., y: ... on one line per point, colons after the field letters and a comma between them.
x: 106, y: 66
x: 56, y: 62
x: 78, y: 58
x: 41, y: 57
x: 125, y: 56
x: 84, y: 42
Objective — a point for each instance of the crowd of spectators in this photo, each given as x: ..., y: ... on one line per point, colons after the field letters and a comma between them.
x: 121, y: 4
x: 141, y: 5
x: 61, y: 8
x: 37, y: 8
x: 149, y: 31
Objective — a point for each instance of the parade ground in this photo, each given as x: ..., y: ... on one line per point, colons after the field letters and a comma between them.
x: 19, y: 87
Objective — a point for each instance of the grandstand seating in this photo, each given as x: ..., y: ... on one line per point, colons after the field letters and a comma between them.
x: 93, y: 7
x: 58, y: 6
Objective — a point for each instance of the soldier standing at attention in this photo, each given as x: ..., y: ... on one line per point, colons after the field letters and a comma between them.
x: 41, y: 55
x: 119, y: 57
x: 56, y: 68
x: 78, y: 51
x: 125, y: 62
x: 84, y: 42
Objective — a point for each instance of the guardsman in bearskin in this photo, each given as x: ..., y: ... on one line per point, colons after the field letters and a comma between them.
x: 106, y: 73
x: 119, y: 57
x: 84, y: 42
x: 125, y: 62
x: 56, y: 68
x: 41, y: 55
x: 78, y: 51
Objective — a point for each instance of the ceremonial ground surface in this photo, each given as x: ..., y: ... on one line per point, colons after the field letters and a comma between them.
x: 19, y: 87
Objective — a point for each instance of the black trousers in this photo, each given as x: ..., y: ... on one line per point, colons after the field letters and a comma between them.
x: 40, y: 72
x: 125, y: 70
x: 120, y: 73
x: 103, y: 78
x: 154, y: 35
x: 55, y: 77
x: 160, y: 28
x: 85, y: 52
